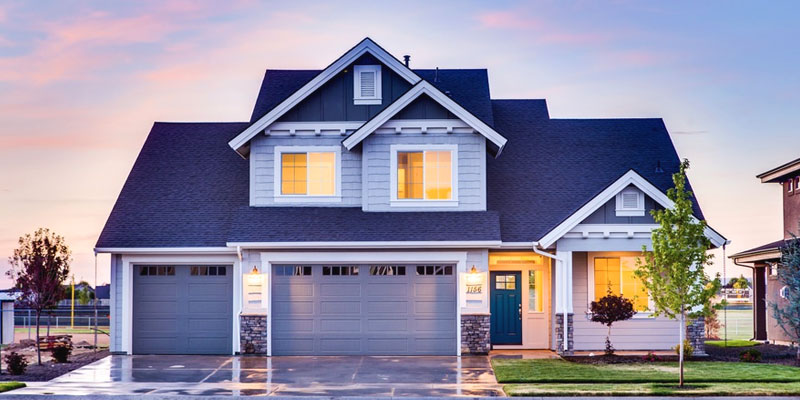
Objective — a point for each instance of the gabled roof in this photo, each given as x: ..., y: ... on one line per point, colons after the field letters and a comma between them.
x: 769, y: 251
x: 778, y: 173
x: 629, y: 178
x: 424, y: 88
x: 363, y: 47
x: 468, y: 87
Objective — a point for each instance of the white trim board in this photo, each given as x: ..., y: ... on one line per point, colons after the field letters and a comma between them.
x: 457, y: 257
x: 424, y: 87
x: 629, y: 178
x: 365, y: 46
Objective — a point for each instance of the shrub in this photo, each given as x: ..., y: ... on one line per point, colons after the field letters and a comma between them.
x: 688, y: 349
x: 61, y: 353
x: 651, y: 357
x: 609, y: 309
x: 750, y: 355
x: 16, y: 363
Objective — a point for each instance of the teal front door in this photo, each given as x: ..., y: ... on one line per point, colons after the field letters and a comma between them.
x: 506, y: 307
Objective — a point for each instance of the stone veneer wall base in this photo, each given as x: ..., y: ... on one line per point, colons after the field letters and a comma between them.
x: 696, y: 334
x: 475, y: 333
x: 560, y: 334
x: 253, y: 334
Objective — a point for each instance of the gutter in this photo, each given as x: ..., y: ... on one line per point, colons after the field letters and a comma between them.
x: 753, y: 269
x: 563, y: 297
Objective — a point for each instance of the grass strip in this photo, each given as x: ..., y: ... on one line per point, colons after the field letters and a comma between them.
x: 11, y: 385
x: 561, y: 371
x: 655, y: 389
x: 732, y: 343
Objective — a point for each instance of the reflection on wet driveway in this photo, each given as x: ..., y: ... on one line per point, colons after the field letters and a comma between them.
x: 278, y: 376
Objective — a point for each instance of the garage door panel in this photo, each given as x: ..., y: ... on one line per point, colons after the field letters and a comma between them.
x: 298, y: 307
x: 340, y: 325
x: 178, y: 312
x: 340, y: 307
x: 432, y: 306
x: 378, y: 311
x: 343, y: 288
x: 294, y: 325
x: 387, y: 325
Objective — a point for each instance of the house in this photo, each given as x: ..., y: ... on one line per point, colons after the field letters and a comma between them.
x: 372, y: 208
x: 764, y: 260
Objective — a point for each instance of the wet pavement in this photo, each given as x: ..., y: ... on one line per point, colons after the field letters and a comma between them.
x: 277, y: 376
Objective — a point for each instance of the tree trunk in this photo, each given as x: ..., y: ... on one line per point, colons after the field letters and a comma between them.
x: 38, y: 348
x: 680, y: 346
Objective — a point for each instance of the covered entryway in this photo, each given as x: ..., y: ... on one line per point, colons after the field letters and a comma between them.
x: 182, y: 309
x: 363, y: 309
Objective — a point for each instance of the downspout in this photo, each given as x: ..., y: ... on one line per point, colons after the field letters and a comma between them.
x: 565, y: 342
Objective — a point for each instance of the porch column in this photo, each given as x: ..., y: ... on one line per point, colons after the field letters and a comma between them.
x: 563, y: 308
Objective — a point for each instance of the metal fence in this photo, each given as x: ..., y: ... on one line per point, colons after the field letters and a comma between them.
x: 84, y: 318
x: 739, y: 322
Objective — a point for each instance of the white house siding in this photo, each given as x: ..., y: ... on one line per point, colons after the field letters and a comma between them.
x: 635, y: 334
x: 116, y: 303
x: 471, y: 169
x: 262, y: 166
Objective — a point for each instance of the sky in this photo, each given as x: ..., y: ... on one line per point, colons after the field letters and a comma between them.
x: 82, y: 82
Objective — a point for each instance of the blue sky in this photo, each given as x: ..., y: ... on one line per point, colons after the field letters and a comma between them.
x: 81, y: 83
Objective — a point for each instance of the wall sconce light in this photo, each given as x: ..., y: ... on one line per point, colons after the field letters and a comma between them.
x: 254, y: 278
x: 473, y: 277
x: 255, y: 270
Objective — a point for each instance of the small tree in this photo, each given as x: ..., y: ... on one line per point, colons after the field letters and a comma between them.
x: 609, y: 309
x: 39, y: 266
x: 741, y: 283
x: 788, y: 313
x: 674, y: 271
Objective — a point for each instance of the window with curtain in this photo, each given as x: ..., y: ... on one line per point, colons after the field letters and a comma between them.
x: 425, y: 175
x: 616, y: 275
x: 312, y: 173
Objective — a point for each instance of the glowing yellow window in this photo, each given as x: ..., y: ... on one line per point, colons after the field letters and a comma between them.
x: 425, y: 175
x: 308, y: 174
x: 616, y: 275
x: 535, y: 291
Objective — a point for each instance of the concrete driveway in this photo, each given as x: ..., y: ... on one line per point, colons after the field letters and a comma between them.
x: 277, y: 376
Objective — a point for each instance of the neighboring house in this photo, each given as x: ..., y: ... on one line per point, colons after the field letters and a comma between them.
x: 7, y: 298
x: 370, y: 208
x: 103, y: 294
x: 764, y: 260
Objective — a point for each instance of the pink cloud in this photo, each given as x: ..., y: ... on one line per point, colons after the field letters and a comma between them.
x: 507, y: 20
x: 3, y: 14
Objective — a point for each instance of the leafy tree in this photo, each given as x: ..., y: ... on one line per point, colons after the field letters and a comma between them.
x: 788, y: 313
x: 674, y: 271
x: 739, y: 283
x: 39, y: 266
x: 609, y: 309
x: 84, y: 296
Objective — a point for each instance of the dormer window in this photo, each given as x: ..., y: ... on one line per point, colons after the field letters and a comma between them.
x: 630, y: 203
x: 367, y: 84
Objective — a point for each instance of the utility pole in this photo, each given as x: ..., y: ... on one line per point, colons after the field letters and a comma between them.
x: 72, y: 306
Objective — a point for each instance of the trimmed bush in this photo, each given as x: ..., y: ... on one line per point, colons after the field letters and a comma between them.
x: 651, y: 357
x: 16, y: 363
x: 61, y: 353
x: 688, y: 349
x: 750, y: 355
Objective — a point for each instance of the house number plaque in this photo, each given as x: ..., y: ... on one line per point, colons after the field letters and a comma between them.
x: 474, y: 288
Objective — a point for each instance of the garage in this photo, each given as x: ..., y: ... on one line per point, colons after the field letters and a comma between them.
x: 364, y: 309
x: 182, y: 309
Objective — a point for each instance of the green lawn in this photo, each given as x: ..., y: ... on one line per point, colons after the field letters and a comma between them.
x: 11, y: 385
x: 560, y: 371
x: 59, y: 330
x: 655, y: 389
x: 732, y: 343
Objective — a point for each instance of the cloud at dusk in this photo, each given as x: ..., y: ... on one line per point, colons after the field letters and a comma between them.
x: 81, y: 83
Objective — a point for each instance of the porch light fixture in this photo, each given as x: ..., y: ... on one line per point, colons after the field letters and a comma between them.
x: 255, y: 270
x: 473, y: 277
x: 473, y: 270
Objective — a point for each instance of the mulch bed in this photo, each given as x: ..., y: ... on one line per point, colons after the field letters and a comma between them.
x: 49, y: 370
x: 770, y: 353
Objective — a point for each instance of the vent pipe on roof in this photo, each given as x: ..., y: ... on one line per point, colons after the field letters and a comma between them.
x: 436, y: 75
x: 658, y: 167
x: 406, y: 59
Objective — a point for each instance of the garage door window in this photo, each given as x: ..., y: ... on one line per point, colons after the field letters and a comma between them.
x: 156, y: 270
x: 434, y: 270
x: 387, y: 270
x: 293, y: 270
x: 210, y: 270
x: 338, y: 270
